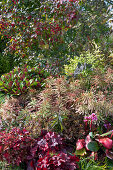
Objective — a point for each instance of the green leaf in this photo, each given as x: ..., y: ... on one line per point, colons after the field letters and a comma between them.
x: 1, y: 83
x: 93, y: 146
x: 34, y: 83
x: 106, y: 134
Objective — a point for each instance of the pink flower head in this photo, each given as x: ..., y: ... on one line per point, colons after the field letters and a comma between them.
x: 86, y: 119
x: 94, y: 117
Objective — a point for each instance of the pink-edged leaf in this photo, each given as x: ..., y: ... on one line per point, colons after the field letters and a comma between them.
x: 111, y: 134
x: 87, y: 140
x: 106, y: 142
x: 80, y: 144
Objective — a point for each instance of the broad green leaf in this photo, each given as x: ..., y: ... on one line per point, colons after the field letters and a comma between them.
x: 93, y: 146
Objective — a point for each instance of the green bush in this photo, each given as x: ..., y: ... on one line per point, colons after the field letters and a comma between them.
x: 93, y: 58
x: 6, y: 63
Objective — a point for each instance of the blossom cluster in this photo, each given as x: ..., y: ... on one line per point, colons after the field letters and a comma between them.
x: 92, y: 117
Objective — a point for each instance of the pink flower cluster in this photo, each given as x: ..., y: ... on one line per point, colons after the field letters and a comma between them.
x: 92, y: 117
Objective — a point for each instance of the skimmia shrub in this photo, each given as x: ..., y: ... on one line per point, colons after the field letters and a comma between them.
x: 19, y: 80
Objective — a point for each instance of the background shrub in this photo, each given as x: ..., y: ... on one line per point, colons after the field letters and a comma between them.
x: 93, y: 58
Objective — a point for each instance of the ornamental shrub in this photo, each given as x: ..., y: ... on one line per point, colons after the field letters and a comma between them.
x: 10, y: 111
x: 62, y: 105
x: 19, y: 80
x: 54, y: 105
x: 58, y: 161
x: 51, y: 151
x: 15, y: 145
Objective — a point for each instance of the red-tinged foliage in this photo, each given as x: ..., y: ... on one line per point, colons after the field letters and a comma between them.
x: 60, y: 161
x: 19, y: 80
x: 46, y: 27
x: 47, y: 151
x: 80, y: 144
x: 47, y: 142
x: 93, y: 143
x: 15, y: 145
x: 106, y: 142
x: 109, y: 154
x: 94, y: 155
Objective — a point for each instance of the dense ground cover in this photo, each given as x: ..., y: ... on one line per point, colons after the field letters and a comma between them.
x: 56, y: 85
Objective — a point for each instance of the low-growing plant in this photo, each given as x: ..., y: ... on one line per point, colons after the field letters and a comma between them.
x: 93, y: 142
x: 89, y: 163
x: 19, y: 80
x: 15, y: 145
x: 52, y: 153
x: 17, y: 148
x: 58, y: 161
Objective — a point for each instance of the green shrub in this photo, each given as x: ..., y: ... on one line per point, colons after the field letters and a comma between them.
x: 93, y: 57
x: 19, y: 80
x: 6, y: 63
